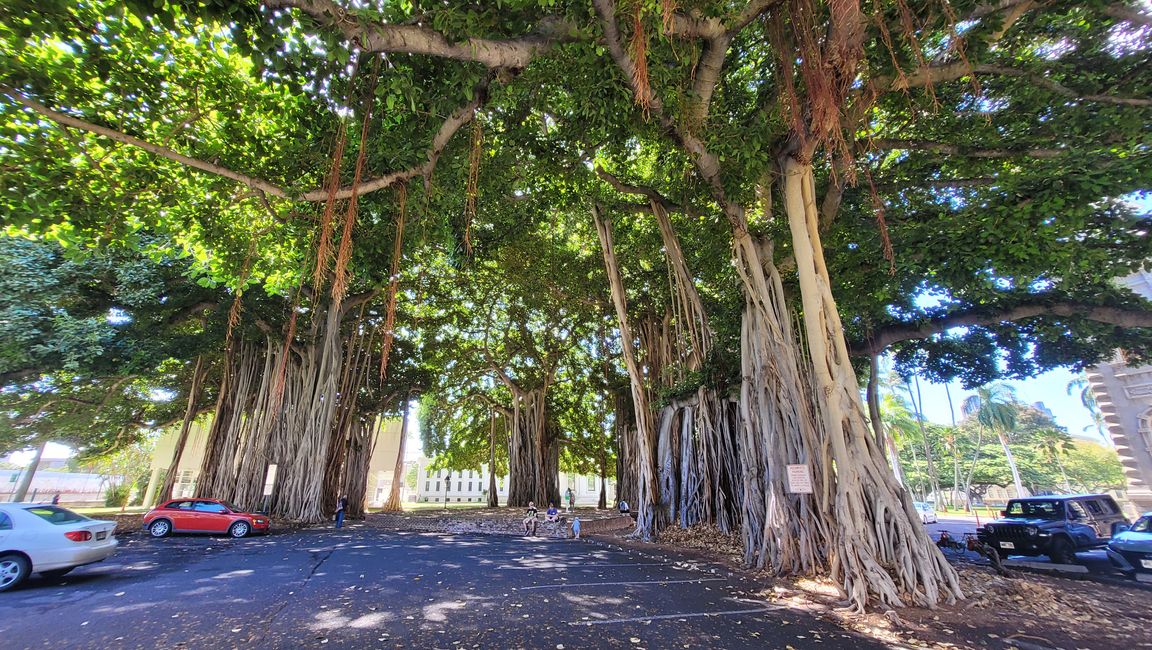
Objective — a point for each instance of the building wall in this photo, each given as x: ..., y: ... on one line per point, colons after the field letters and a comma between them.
x: 1124, y: 394
x: 190, y: 460
x: 73, y: 488
x: 471, y: 486
x: 383, y: 465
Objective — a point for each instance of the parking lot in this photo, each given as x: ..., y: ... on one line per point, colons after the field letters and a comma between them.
x: 363, y: 587
x: 1096, y: 561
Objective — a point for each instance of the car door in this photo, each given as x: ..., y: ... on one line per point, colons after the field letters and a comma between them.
x: 1079, y: 525
x: 212, y: 517
x: 1096, y: 519
x: 182, y: 516
x: 5, y: 528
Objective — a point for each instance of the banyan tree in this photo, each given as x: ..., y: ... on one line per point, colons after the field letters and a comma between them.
x: 666, y: 233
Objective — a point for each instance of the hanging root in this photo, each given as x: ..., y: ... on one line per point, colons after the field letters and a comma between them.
x: 473, y: 187
x: 638, y: 48
x: 881, y: 224
x: 394, y: 282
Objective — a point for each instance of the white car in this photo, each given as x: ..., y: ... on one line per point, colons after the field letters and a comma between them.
x: 49, y: 540
x: 927, y: 512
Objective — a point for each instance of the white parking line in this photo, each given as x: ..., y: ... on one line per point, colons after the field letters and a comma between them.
x: 509, y: 567
x: 605, y: 584
x: 734, y: 612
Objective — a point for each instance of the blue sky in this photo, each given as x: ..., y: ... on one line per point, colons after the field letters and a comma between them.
x: 1050, y: 388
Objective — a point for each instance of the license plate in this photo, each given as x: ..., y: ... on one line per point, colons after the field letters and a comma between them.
x: 1147, y: 564
x: 102, y: 535
x: 1007, y: 545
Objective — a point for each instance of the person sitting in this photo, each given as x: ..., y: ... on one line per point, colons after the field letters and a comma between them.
x: 530, y: 520
x: 552, y: 514
x: 623, y: 507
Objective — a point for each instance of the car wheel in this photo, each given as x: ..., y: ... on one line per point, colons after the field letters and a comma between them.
x: 14, y: 569
x: 240, y: 529
x: 1062, y: 552
x: 57, y: 573
x: 160, y: 528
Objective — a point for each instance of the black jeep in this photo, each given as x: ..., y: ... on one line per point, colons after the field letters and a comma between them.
x: 1057, y: 526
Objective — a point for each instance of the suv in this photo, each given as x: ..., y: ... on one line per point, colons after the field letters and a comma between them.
x: 1057, y: 526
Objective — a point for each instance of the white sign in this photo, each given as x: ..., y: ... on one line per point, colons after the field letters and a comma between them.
x: 799, y: 479
x: 270, y: 480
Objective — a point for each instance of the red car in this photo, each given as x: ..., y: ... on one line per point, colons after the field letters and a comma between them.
x: 202, y: 516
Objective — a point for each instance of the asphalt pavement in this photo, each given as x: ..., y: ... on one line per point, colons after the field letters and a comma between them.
x: 363, y: 587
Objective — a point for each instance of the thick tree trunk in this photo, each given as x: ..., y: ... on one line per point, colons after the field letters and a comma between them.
x: 493, y: 495
x: 529, y: 449
x: 648, y: 515
x: 880, y: 547
x: 393, y: 503
x: 883, y: 438
x: 198, y: 374
x: 21, y: 492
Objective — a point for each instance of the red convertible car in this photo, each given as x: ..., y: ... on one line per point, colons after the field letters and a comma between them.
x: 202, y: 516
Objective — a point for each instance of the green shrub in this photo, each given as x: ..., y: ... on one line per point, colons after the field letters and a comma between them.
x: 117, y: 495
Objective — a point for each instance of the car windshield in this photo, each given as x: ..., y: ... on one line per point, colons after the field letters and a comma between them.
x: 1142, y: 525
x: 231, y: 507
x: 1036, y: 509
x: 56, y: 515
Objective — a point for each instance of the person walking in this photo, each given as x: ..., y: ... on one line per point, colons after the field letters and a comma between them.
x: 341, y: 505
x: 571, y: 499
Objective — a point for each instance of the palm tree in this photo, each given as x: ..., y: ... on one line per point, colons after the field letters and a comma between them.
x: 1054, y: 444
x: 1088, y: 399
x: 995, y: 406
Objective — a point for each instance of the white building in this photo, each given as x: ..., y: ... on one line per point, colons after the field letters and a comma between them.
x: 1124, y: 395
x: 471, y: 486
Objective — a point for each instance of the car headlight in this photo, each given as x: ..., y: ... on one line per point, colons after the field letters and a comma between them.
x: 1033, y: 531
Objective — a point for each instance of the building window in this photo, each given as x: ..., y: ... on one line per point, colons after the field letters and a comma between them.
x: 591, y: 482
x: 437, y: 486
x: 457, y: 499
x: 459, y: 487
x: 427, y: 486
x: 469, y: 486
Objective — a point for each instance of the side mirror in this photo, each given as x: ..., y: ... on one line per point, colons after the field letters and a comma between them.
x: 1003, y: 513
x: 1118, y: 528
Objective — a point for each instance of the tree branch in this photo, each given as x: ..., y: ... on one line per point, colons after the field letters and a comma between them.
x: 455, y: 121
x: 416, y: 39
x: 451, y: 125
x: 706, y: 163
x: 164, y: 152
x: 978, y: 181
x: 639, y: 190
x: 1060, y: 89
x: 933, y: 75
x: 957, y: 150
x: 1118, y: 316
x: 1129, y: 14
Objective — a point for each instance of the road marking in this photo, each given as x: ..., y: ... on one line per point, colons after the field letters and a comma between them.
x: 576, y: 566
x: 735, y: 612
x: 636, y: 582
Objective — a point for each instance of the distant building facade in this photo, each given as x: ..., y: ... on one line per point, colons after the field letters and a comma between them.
x: 471, y: 486
x: 1124, y: 395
